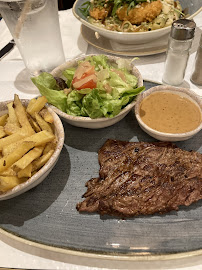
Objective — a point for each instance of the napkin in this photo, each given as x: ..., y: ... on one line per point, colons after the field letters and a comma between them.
x: 73, y: 44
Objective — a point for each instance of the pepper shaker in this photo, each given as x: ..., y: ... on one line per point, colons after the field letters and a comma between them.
x: 179, y: 45
x: 196, y: 77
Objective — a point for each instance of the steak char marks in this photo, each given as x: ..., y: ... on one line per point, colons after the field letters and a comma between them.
x: 138, y: 178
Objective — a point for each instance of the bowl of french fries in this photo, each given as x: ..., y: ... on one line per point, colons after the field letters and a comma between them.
x: 31, y: 139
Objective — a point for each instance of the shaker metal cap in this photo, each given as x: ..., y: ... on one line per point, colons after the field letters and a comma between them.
x: 183, y: 29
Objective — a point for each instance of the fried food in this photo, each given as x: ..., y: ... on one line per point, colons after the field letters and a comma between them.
x: 3, y: 119
x: 27, y: 159
x: 39, y: 138
x: 15, y: 137
x: 132, y: 16
x: 24, y: 135
x: 99, y: 13
x: 46, y: 115
x: 9, y: 182
x: 17, y: 154
x: 145, y: 12
x: 36, y: 105
x: 42, y: 123
x: 21, y: 114
x: 2, y: 132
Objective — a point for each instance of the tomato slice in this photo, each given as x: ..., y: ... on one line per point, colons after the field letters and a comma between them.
x: 88, y: 83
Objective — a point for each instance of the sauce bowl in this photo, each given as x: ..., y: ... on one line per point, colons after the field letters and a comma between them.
x: 163, y: 136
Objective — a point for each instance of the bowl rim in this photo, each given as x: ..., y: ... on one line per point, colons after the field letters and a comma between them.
x: 57, y: 126
x: 61, y: 67
x: 85, y: 22
x: 165, y: 88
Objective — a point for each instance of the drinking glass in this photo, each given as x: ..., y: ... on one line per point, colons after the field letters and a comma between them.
x: 34, y: 25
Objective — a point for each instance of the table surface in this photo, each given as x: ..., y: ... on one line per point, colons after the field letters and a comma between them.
x: 14, y: 79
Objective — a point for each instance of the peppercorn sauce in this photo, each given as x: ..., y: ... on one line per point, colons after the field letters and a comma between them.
x: 170, y: 113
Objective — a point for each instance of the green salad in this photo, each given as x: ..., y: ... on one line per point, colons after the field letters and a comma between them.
x: 94, y: 88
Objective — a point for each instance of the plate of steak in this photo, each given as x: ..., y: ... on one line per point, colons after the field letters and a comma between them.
x: 139, y: 178
x: 47, y: 214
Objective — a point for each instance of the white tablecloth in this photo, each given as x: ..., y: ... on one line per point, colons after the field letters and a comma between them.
x: 14, y: 79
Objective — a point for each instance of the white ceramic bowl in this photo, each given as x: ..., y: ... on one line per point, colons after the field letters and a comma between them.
x: 193, y: 7
x: 38, y: 177
x: 168, y: 136
x: 87, y: 122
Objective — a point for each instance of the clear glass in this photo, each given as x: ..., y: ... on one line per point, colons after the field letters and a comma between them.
x: 34, y: 25
x: 196, y: 77
x: 176, y: 61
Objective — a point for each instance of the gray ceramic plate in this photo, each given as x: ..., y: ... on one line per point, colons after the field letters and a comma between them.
x: 47, y: 214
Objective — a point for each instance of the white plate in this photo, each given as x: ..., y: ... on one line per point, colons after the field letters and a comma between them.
x: 193, y: 7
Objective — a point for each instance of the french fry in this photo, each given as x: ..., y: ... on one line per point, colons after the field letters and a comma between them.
x: 34, y: 172
x: 47, y: 116
x: 21, y: 113
x: 12, y: 124
x: 31, y: 102
x: 42, y: 123
x: 8, y: 172
x: 9, y: 182
x: 34, y: 124
x: 20, y: 134
x: 10, y: 159
x: 10, y: 128
x: 27, y: 141
x: 24, y: 161
x: 40, y: 138
x: 38, y: 163
x: 50, y: 146
x: 3, y: 119
x: 12, y: 117
x: 26, y: 172
x: 36, y: 106
x: 2, y: 132
x: 7, y: 149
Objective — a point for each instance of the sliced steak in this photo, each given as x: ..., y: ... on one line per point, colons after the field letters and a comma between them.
x: 138, y: 178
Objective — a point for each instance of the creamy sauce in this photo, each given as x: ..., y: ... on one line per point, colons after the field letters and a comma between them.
x: 170, y: 113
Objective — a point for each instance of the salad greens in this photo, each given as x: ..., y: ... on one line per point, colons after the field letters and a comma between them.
x: 115, y: 88
x: 115, y: 3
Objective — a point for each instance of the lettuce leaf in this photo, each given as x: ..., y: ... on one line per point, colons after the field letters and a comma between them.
x: 69, y: 74
x: 92, y: 104
x: 74, y: 103
x: 99, y: 61
x: 47, y: 86
x: 116, y: 87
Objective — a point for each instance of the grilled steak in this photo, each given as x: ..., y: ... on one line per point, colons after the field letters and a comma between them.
x: 138, y: 178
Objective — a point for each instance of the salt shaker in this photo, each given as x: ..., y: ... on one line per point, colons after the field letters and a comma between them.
x: 179, y: 45
x: 196, y: 77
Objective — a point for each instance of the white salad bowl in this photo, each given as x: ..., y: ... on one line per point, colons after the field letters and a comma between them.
x: 162, y: 136
x: 193, y: 7
x: 40, y: 175
x: 87, y: 122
